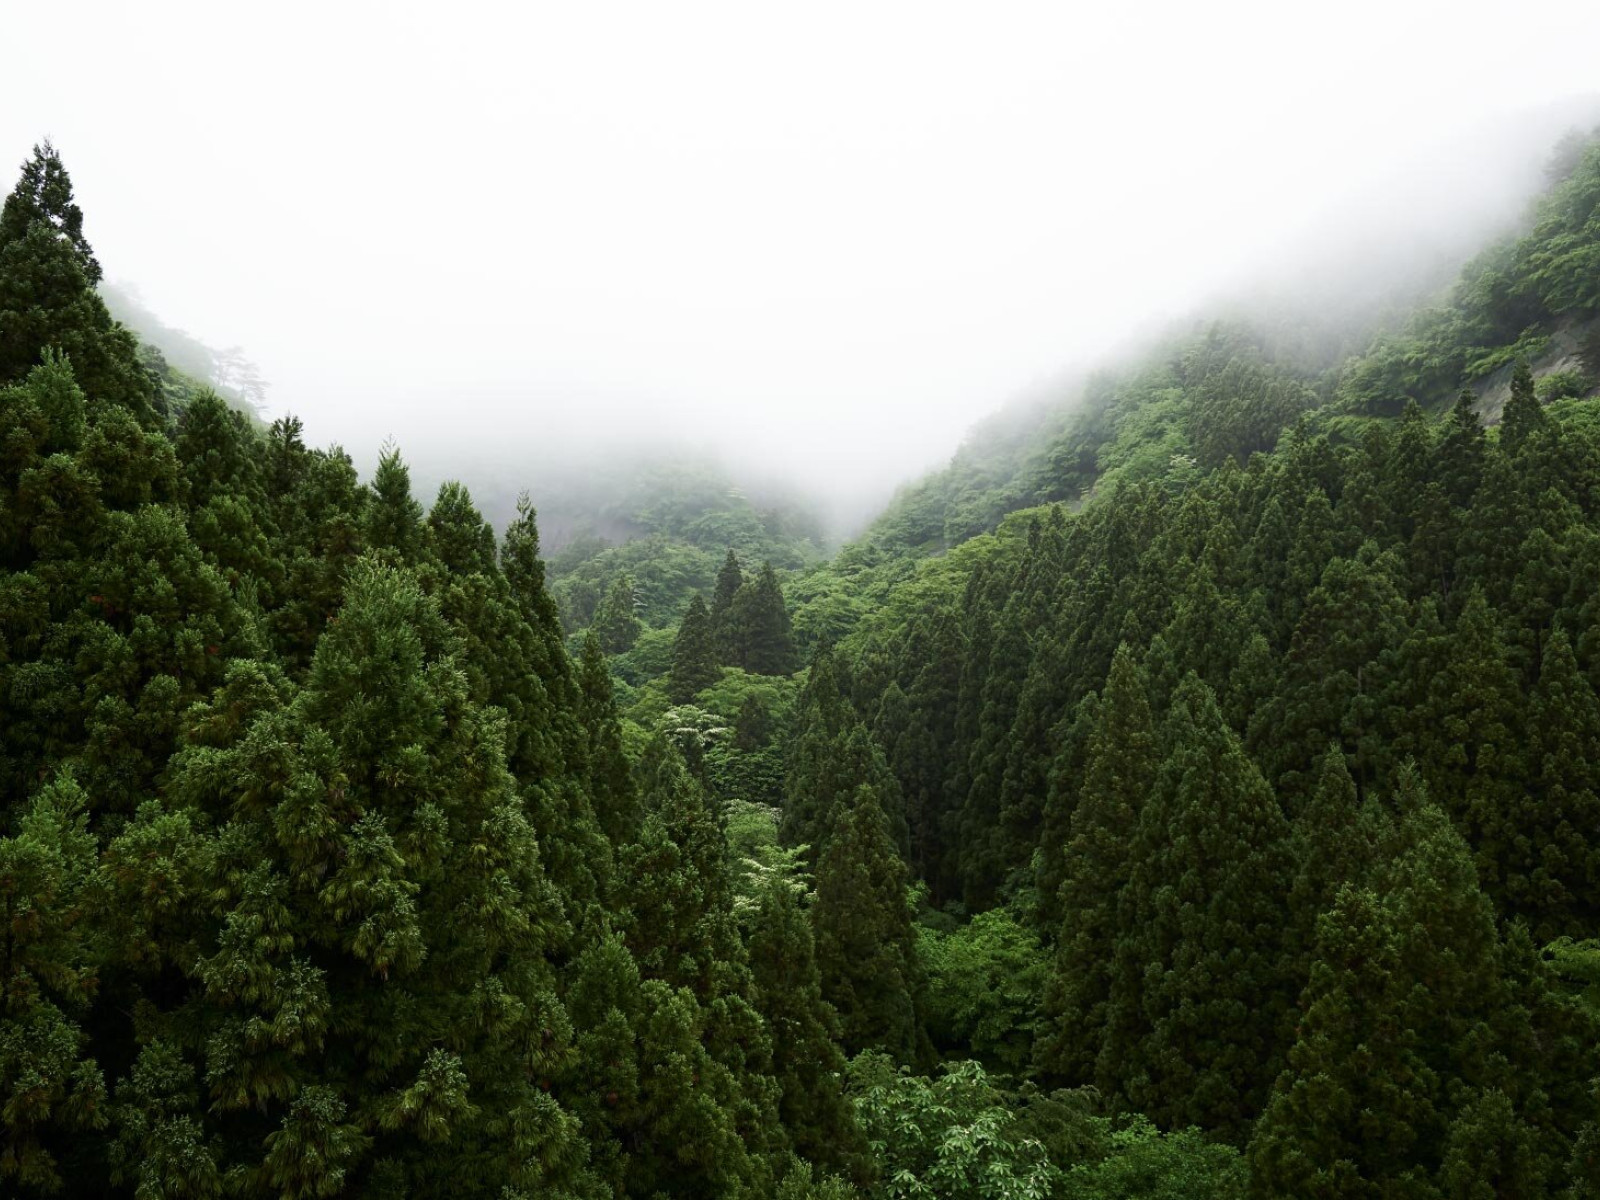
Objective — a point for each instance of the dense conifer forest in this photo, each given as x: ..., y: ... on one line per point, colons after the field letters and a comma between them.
x: 1193, y: 791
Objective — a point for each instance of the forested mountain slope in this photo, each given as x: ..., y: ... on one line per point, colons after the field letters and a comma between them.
x: 1282, y: 741
x: 1225, y: 385
x: 1195, y: 795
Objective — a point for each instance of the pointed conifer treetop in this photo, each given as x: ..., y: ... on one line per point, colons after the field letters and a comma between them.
x: 760, y: 636
x: 394, y: 520
x: 1523, y: 415
x: 730, y: 578
x: 866, y: 948
x: 48, y: 299
x: 694, y: 654
x: 1120, y: 767
x: 43, y: 197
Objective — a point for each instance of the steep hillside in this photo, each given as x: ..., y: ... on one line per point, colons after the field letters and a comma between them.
x: 1532, y: 295
x: 1227, y: 388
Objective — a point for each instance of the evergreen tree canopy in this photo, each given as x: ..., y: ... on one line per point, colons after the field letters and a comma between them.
x: 759, y: 636
x: 694, y: 654
x: 866, y: 954
x: 47, y: 297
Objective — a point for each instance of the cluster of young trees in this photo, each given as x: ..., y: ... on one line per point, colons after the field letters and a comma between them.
x: 747, y: 626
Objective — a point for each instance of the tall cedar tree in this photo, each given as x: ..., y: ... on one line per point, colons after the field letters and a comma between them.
x: 708, y: 1094
x: 1119, y: 769
x: 830, y: 755
x: 694, y: 654
x: 1200, y: 989
x: 1335, y: 840
x: 610, y: 775
x: 730, y: 579
x: 1551, y: 867
x: 759, y: 633
x: 1524, y: 416
x: 616, y: 622
x: 1395, y: 1055
x: 394, y: 520
x: 807, y: 1061
x: 866, y: 950
x: 48, y: 301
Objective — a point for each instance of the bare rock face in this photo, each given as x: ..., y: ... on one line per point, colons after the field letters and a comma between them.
x: 1563, y: 352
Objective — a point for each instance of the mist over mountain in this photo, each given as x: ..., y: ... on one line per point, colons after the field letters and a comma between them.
x: 820, y: 256
x: 850, y: 605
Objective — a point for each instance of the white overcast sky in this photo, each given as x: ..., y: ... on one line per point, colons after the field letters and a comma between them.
x: 828, y: 234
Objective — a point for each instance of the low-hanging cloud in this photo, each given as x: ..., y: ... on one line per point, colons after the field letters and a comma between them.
x: 817, y: 241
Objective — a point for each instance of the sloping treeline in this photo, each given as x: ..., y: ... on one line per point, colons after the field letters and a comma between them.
x: 1295, y: 769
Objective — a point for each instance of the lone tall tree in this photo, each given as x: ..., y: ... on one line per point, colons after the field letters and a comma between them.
x: 694, y: 654
x: 47, y: 298
x: 866, y: 950
x: 730, y: 578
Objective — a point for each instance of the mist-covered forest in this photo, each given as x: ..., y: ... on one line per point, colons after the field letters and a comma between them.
x: 1192, y: 790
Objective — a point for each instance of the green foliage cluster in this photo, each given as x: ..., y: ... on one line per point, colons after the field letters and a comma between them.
x: 963, y: 1133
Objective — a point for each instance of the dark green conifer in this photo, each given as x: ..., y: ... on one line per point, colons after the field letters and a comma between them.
x: 524, y: 571
x: 51, y: 1090
x: 43, y: 196
x: 730, y: 579
x: 1469, y: 737
x: 1550, y: 868
x: 1461, y: 451
x: 694, y: 654
x: 393, y: 519
x: 459, y: 537
x: 1119, y: 770
x: 985, y: 857
x: 610, y: 777
x: 1393, y: 1043
x: 1524, y: 416
x: 807, y: 1061
x: 1072, y: 737
x: 1200, y: 984
x: 1336, y: 674
x: 831, y: 754
x: 866, y: 951
x: 367, y: 972
x: 47, y: 297
x: 681, y: 930
x: 759, y: 633
x: 921, y: 755
x: 616, y: 622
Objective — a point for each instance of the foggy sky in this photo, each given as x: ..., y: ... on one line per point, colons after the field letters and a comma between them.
x: 822, y: 238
